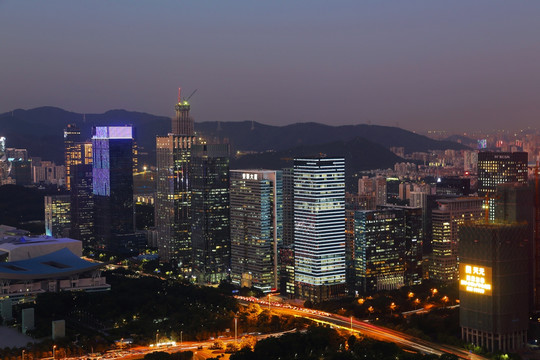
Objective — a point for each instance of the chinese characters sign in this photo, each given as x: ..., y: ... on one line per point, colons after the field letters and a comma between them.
x: 475, y: 279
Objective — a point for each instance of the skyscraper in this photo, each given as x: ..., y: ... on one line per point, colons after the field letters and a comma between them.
x: 494, y: 285
x: 379, y: 248
x: 319, y: 227
x: 82, y: 205
x: 210, y: 231
x: 256, y: 227
x: 72, y: 150
x: 173, y: 198
x: 286, y: 253
x: 112, y: 185
x: 446, y: 220
x: 495, y: 168
x: 173, y: 189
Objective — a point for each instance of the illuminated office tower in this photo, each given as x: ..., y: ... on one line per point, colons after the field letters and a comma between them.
x: 112, y: 186
x: 72, y: 150
x: 57, y: 215
x: 379, y: 248
x: 495, y: 168
x: 446, y: 220
x: 173, y: 199
x: 494, y: 285
x: 411, y: 249
x: 256, y: 227
x: 210, y: 231
x: 319, y: 227
x: 173, y: 190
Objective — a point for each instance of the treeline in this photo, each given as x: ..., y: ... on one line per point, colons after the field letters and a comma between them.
x: 326, y: 343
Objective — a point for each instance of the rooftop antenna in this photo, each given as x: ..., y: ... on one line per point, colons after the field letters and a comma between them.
x: 179, y: 95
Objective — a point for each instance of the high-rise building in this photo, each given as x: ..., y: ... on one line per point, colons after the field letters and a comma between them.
x: 82, y: 205
x: 256, y: 227
x: 319, y: 227
x: 495, y: 168
x: 112, y: 186
x: 353, y: 203
x: 173, y: 199
x: 446, y: 220
x: 286, y: 253
x: 72, y: 150
x: 173, y: 190
x: 379, y: 244
x: 494, y: 285
x: 411, y: 250
x: 182, y: 124
x: 57, y: 215
x: 210, y: 231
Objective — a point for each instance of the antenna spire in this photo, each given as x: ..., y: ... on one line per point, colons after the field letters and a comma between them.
x: 179, y: 93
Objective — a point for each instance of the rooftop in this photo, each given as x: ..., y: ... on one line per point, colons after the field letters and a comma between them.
x: 59, y: 263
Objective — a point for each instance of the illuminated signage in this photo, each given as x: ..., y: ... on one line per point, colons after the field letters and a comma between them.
x: 475, y: 279
x: 247, y: 176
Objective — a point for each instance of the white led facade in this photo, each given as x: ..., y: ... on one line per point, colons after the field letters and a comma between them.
x: 319, y: 221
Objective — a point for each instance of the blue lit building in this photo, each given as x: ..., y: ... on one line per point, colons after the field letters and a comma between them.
x: 112, y: 148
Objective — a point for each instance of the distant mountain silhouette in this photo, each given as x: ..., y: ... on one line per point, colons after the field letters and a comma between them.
x: 359, y: 154
x: 40, y: 130
x: 247, y: 135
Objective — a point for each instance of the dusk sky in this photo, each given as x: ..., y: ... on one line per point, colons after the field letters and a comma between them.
x: 453, y: 65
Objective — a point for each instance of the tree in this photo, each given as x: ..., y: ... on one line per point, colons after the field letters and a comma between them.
x: 157, y: 355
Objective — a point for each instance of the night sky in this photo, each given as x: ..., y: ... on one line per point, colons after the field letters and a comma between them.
x: 453, y: 65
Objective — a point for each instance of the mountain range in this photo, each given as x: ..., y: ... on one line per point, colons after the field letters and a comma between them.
x: 40, y: 130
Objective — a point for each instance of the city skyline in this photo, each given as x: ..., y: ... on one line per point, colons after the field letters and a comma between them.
x: 417, y: 65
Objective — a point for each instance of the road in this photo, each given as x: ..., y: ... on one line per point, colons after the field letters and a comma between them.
x: 365, y: 328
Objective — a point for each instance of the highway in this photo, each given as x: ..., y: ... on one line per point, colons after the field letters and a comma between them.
x: 365, y: 328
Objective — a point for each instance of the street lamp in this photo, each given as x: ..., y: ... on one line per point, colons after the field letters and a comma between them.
x: 445, y: 300
x: 22, y: 355
x: 53, y: 351
x: 157, y: 333
x: 181, y: 332
x: 392, y: 308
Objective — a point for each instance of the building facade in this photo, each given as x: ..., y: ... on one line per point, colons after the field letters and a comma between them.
x: 494, y: 286
x: 319, y: 227
x: 57, y: 215
x: 496, y: 168
x: 446, y: 220
x: 256, y: 227
x: 210, y: 231
x: 112, y: 186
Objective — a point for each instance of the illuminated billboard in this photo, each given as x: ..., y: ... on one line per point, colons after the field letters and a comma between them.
x: 475, y: 279
x: 482, y: 143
